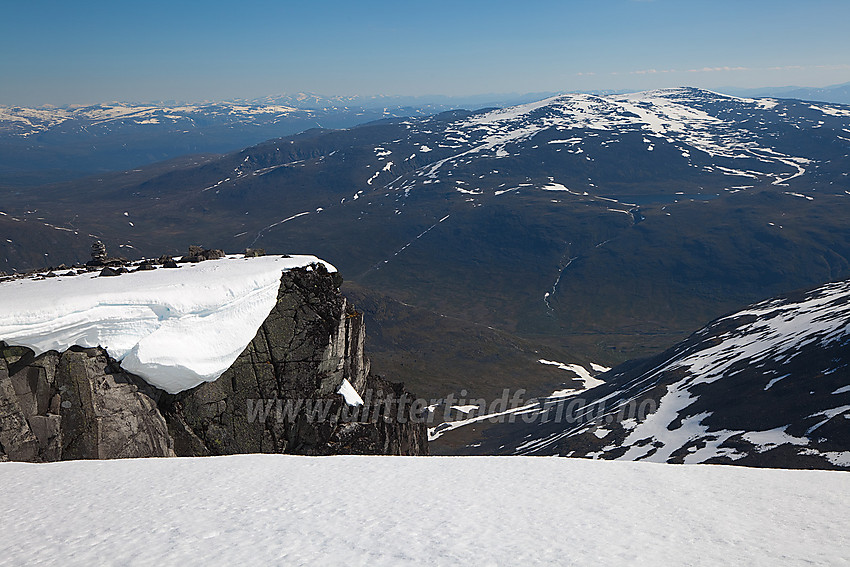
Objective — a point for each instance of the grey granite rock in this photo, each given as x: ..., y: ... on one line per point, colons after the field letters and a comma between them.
x: 17, y: 441
x: 106, y: 412
x: 77, y: 405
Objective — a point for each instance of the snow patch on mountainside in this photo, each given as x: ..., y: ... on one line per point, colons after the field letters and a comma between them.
x: 831, y: 111
x: 589, y: 380
x: 176, y: 328
x: 533, y: 409
x: 348, y: 392
x: 778, y: 332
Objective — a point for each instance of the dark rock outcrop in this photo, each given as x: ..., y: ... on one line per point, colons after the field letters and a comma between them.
x: 145, y: 266
x: 76, y: 405
x: 279, y: 396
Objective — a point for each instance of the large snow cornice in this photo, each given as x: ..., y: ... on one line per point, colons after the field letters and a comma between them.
x: 176, y: 328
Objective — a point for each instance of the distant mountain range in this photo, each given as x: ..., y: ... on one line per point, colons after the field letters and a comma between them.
x: 49, y: 144
x: 839, y: 94
x: 593, y: 229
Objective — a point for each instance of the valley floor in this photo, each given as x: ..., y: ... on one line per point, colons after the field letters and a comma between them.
x: 279, y: 509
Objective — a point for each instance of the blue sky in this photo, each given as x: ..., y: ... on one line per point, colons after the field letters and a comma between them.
x: 79, y: 52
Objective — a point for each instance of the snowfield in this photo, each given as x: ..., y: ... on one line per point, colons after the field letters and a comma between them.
x: 176, y: 328
x: 292, y: 510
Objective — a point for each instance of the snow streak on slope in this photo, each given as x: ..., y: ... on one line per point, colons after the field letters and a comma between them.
x: 176, y: 328
x: 357, y: 510
x: 533, y: 409
x: 778, y: 332
x: 589, y: 380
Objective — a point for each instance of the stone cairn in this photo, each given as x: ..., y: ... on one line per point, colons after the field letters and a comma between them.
x: 98, y: 253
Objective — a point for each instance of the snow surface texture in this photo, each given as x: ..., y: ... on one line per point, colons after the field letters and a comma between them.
x: 354, y: 510
x: 176, y: 328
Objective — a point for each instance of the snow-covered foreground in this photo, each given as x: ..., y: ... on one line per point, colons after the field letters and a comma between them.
x: 280, y: 509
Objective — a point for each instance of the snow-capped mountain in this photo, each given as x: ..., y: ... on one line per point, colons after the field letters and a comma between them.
x: 28, y: 122
x: 47, y: 144
x: 17, y: 121
x: 767, y: 386
x: 745, y: 141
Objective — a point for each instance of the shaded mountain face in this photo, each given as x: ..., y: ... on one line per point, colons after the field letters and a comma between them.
x: 766, y: 386
x: 610, y: 226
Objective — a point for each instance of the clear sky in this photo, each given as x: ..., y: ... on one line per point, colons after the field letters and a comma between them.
x: 92, y: 51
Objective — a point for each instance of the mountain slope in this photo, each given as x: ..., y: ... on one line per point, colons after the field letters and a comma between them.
x: 439, y: 354
x: 766, y: 386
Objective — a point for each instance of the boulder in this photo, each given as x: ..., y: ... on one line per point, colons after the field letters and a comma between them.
x: 199, y: 254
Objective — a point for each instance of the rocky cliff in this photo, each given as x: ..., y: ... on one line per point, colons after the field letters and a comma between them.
x: 281, y: 394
